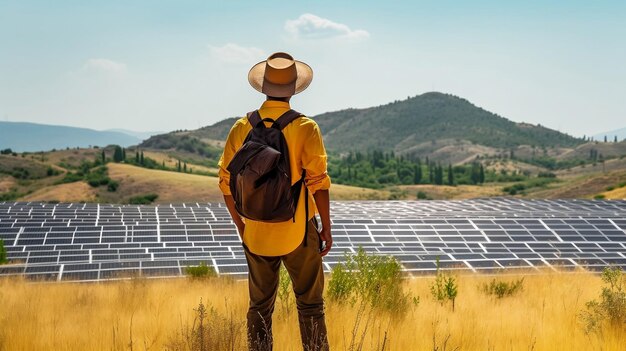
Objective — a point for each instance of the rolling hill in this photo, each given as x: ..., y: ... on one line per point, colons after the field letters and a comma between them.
x: 30, y: 137
x: 443, y: 126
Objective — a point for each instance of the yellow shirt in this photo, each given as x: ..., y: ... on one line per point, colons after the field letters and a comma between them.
x: 306, y: 151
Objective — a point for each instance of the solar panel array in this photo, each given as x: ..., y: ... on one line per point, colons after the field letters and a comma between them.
x: 88, y: 242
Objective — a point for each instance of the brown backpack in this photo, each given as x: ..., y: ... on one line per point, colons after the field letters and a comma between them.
x: 260, y: 175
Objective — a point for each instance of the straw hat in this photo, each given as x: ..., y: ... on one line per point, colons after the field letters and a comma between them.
x: 280, y: 75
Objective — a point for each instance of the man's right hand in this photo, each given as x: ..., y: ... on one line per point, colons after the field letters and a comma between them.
x: 326, y: 236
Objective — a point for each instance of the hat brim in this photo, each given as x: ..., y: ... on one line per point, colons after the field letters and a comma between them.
x: 304, y: 78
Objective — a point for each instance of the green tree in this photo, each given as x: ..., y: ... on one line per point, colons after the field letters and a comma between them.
x: 185, y: 167
x: 417, y: 173
x: 141, y: 160
x: 481, y: 174
x: 103, y: 157
x: 450, y: 175
x: 137, y: 156
x: 124, y: 154
x: 117, y: 154
x: 438, y: 175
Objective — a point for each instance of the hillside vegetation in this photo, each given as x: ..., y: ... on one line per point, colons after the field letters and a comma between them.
x: 432, y: 116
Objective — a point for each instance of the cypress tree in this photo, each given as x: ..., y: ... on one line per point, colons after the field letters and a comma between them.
x: 141, y: 160
x: 185, y: 167
x: 439, y: 175
x: 431, y: 174
x: 117, y: 154
x: 124, y: 154
x: 481, y: 177
x: 417, y: 174
x: 450, y: 175
x: 615, y: 139
x: 137, y: 156
x: 103, y: 157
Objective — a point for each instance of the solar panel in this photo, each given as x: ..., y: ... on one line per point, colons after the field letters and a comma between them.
x: 84, y: 242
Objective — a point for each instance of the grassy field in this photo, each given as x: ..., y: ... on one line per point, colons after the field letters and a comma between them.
x: 140, y: 314
x: 70, y: 192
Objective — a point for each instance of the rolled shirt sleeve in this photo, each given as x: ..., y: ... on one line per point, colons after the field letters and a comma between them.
x: 314, y: 161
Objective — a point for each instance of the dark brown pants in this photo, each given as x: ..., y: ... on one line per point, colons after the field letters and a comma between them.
x: 304, y: 265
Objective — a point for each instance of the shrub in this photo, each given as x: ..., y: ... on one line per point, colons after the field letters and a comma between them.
x: 70, y: 178
x: 422, y: 195
x: 52, y: 172
x: 143, y: 199
x: 202, y: 271
x: 284, y: 290
x: 375, y: 280
x: 209, y: 331
x: 599, y: 197
x: 501, y: 289
x: 113, y: 185
x: 611, y: 309
x: 3, y: 253
x: 444, y: 287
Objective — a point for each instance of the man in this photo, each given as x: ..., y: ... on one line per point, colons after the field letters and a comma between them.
x: 267, y: 244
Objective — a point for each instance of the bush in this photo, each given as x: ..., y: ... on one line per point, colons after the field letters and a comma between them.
x: 113, y: 185
x: 371, y: 279
x: 422, y: 195
x: 599, y: 197
x: 3, y: 253
x: 444, y: 287
x: 52, y: 172
x: 501, y: 289
x: 70, y: 178
x: 201, y: 271
x: 611, y: 309
x: 143, y: 199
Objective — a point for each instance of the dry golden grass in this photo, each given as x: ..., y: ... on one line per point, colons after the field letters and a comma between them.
x: 616, y: 194
x: 69, y: 192
x: 151, y: 313
x: 446, y: 192
x: 170, y: 186
x: 6, y: 183
x: 171, y: 162
x: 346, y: 192
x: 580, y: 186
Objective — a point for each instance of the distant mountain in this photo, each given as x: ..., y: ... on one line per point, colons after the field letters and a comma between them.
x: 610, y: 135
x: 22, y: 136
x: 442, y: 126
x: 139, y: 135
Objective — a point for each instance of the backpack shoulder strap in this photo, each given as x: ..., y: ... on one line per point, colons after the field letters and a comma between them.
x: 287, y: 118
x: 254, y: 118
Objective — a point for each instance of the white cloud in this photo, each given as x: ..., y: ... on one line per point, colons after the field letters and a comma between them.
x: 310, y: 26
x: 105, y: 65
x: 234, y: 53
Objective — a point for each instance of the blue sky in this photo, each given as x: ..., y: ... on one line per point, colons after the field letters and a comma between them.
x: 165, y: 65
